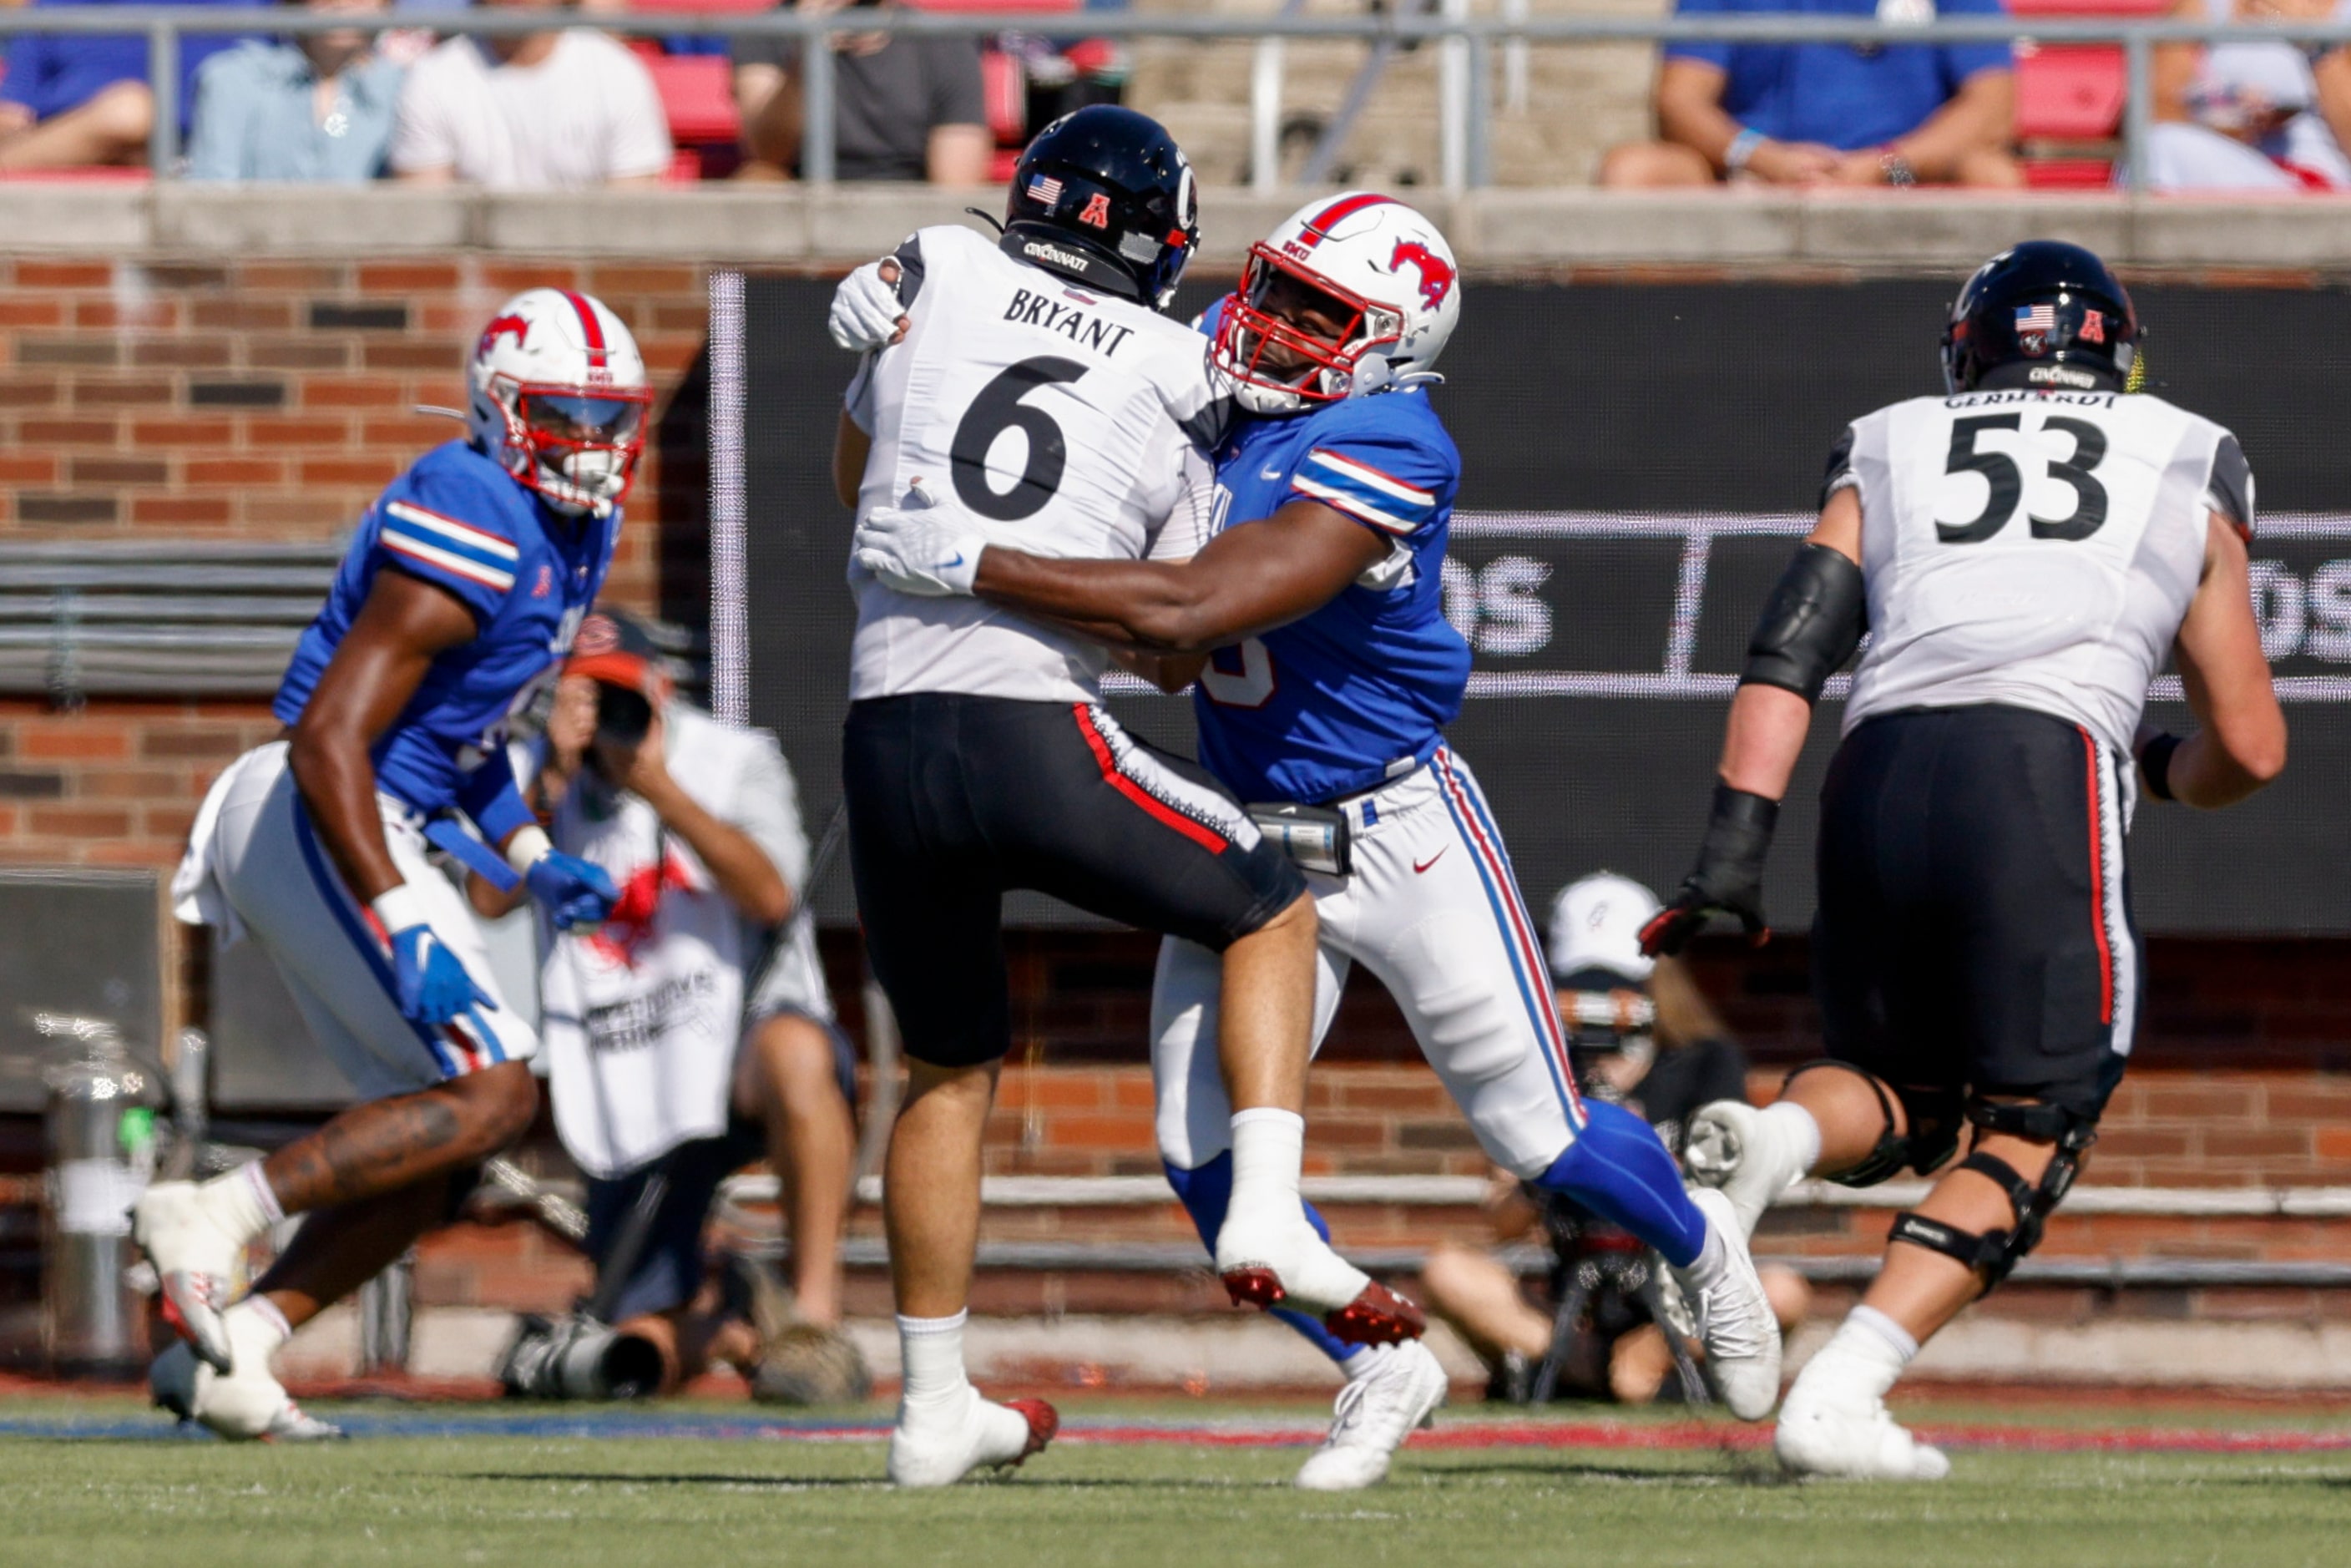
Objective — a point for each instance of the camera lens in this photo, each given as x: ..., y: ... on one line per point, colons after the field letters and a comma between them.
x: 622, y: 715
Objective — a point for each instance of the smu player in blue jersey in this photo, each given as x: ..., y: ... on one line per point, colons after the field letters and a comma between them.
x: 451, y: 613
x: 1333, y: 674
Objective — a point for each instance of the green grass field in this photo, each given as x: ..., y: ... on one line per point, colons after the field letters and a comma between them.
x: 464, y: 1496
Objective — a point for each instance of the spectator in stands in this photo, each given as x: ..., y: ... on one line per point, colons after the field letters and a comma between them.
x: 903, y: 108
x: 2250, y: 116
x: 1642, y: 1036
x: 1828, y: 114
x: 80, y: 100
x: 691, y: 1033
x: 561, y: 109
x: 315, y: 108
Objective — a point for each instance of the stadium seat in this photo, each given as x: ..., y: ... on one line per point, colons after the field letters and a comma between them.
x: 698, y: 93
x: 1005, y: 87
x: 2070, y: 97
x: 2070, y: 94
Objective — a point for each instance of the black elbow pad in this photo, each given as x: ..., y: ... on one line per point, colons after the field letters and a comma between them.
x: 1810, y: 626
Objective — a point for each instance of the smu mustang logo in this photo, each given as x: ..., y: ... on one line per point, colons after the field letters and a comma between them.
x: 514, y: 327
x: 1435, y: 272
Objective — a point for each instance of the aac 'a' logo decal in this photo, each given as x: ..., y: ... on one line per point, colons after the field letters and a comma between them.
x: 1435, y: 272
x: 1097, y: 213
x: 516, y: 326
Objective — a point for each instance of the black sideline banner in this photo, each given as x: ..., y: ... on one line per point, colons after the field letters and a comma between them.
x: 1638, y: 459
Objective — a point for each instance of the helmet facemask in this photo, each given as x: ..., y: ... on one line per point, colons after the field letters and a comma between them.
x: 577, y: 446
x: 1289, y: 338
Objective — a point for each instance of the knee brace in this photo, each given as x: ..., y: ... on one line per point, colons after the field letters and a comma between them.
x: 1994, y: 1253
x: 1932, y: 1117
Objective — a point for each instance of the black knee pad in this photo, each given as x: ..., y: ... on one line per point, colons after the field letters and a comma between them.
x: 1995, y: 1253
x: 1932, y: 1116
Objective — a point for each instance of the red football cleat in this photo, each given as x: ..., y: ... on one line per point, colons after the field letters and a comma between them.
x: 1043, y: 1422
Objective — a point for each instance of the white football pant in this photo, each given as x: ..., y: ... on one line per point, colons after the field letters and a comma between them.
x: 255, y: 843
x: 1433, y: 910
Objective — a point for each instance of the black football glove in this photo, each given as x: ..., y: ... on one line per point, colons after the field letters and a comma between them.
x: 1729, y: 875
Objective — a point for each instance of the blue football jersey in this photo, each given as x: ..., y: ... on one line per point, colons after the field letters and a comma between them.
x: 459, y: 521
x: 1360, y: 690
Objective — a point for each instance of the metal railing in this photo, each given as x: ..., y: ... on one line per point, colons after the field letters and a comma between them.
x: 1465, y: 63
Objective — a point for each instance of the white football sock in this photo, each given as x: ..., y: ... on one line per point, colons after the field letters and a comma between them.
x: 240, y: 1202
x: 1794, y: 1124
x: 932, y: 1351
x: 1863, y: 1359
x: 1268, y: 1147
x: 1358, y: 1363
x: 266, y: 1310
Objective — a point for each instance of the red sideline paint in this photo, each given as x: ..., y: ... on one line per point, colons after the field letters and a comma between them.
x: 1685, y: 1436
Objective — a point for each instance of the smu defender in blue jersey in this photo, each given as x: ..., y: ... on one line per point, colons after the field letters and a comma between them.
x: 1332, y: 674
x: 458, y: 597
x: 457, y: 520
x: 1360, y: 690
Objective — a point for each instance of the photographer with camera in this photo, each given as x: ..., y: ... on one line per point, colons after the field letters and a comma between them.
x: 687, y: 1035
x: 1644, y: 1038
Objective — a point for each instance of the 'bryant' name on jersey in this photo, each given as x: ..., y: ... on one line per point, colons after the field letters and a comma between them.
x: 1079, y: 328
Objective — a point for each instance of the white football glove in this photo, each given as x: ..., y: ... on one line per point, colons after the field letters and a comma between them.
x: 930, y: 551
x: 865, y: 311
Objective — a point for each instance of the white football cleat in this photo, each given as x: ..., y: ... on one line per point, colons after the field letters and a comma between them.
x: 244, y: 1406
x: 1732, y: 1146
x: 1271, y: 1260
x: 1374, y: 1415
x: 940, y: 1450
x: 195, y: 1262
x: 1852, y: 1440
x: 1732, y: 1316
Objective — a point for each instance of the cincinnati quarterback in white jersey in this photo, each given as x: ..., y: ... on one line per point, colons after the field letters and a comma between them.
x: 1070, y: 413
x: 1034, y: 385
x: 2024, y: 553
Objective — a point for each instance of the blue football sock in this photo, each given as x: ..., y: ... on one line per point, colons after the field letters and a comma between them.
x: 1205, y: 1193
x: 1618, y: 1168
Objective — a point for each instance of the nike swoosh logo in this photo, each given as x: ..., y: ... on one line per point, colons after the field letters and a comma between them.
x: 1419, y: 867
x: 1271, y: 473
x: 946, y: 565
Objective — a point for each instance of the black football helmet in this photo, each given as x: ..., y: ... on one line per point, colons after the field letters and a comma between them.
x: 1104, y: 198
x: 2043, y: 314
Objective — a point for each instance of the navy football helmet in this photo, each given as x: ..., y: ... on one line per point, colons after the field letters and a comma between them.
x: 2043, y: 314
x: 1104, y: 198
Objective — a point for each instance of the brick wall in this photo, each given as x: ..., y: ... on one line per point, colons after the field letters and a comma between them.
x: 266, y: 401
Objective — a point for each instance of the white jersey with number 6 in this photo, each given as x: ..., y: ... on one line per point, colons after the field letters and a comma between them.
x: 2034, y: 548
x: 1067, y: 418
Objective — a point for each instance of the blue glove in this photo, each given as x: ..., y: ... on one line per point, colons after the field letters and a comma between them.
x: 573, y: 891
x: 430, y: 982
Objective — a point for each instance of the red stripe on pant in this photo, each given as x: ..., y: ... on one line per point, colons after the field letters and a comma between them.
x: 1198, y: 832
x: 2098, y: 888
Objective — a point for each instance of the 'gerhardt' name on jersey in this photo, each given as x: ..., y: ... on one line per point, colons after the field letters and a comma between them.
x: 1080, y: 326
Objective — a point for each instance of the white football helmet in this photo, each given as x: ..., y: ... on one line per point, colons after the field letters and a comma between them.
x: 559, y: 398
x: 1379, y: 277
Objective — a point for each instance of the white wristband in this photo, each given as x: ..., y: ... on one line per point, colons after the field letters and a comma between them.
x: 401, y: 908
x: 527, y: 846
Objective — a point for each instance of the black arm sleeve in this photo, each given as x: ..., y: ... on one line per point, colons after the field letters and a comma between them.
x: 1810, y: 626
x: 2231, y: 491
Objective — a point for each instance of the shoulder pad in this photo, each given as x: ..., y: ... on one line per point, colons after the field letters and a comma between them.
x: 1839, y: 473
x: 2230, y: 491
